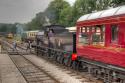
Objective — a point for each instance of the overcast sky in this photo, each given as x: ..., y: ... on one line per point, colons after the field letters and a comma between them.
x: 12, y: 11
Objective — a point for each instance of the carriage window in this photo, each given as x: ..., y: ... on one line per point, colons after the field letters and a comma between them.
x: 84, y: 39
x: 88, y: 29
x: 83, y: 30
x: 98, y: 36
x: 93, y: 29
x: 114, y: 32
x: 94, y: 35
x: 83, y: 36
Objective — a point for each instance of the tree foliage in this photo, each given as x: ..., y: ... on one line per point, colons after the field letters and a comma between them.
x: 7, y: 28
x: 65, y: 17
x: 10, y: 28
x: 36, y: 22
x: 118, y: 3
x: 60, y: 12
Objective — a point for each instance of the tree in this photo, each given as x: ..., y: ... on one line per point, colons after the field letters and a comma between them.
x: 36, y: 22
x: 6, y: 27
x: 82, y: 7
x: 13, y: 28
x: 116, y: 3
x: 58, y: 11
x: 103, y: 4
x: 65, y: 17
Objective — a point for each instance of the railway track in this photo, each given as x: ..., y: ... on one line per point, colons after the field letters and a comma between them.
x: 31, y: 72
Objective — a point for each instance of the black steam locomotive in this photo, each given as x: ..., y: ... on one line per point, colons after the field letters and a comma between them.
x: 56, y: 37
x: 56, y: 43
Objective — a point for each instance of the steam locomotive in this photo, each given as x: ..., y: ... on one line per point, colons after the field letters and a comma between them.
x: 56, y: 37
x: 98, y: 46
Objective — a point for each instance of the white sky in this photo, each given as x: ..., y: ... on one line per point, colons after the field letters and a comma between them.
x: 23, y: 11
x: 71, y: 1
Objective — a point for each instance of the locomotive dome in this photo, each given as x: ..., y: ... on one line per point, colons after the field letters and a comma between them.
x: 105, y: 13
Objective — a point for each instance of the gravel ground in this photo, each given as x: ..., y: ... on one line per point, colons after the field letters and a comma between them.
x: 8, y: 71
x: 52, y: 69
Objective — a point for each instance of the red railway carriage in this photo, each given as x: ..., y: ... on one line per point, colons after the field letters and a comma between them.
x: 101, y: 36
x: 100, y: 40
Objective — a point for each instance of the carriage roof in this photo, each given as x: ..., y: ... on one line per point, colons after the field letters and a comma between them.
x: 105, y: 13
